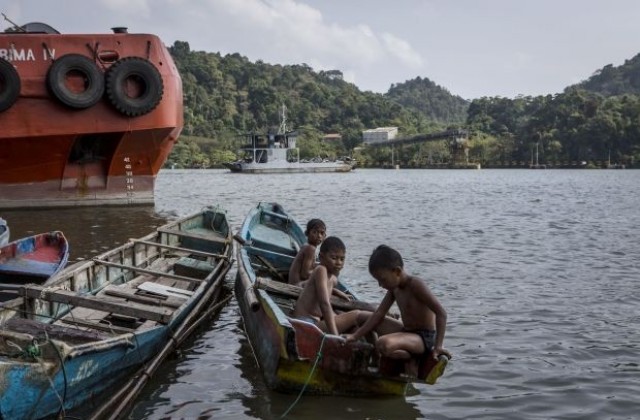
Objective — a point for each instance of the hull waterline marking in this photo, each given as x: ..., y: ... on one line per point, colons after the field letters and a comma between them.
x: 129, y: 179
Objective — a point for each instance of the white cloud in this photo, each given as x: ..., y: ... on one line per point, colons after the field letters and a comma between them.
x: 402, y: 50
x: 288, y: 31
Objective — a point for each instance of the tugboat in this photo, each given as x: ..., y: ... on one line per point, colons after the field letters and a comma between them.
x: 86, y: 119
x: 277, y: 153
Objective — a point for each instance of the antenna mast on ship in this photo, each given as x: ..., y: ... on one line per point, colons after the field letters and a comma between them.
x: 283, y: 121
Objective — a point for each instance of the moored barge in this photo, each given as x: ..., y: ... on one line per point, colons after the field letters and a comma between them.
x: 86, y: 119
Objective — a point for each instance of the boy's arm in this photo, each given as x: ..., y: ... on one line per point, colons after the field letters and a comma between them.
x: 340, y: 294
x: 308, y: 261
x: 374, y: 319
x: 320, y: 278
x: 424, y: 294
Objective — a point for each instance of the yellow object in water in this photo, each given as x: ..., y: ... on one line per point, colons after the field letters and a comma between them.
x: 437, y: 370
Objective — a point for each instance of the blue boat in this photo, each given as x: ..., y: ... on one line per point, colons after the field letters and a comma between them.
x: 4, y: 232
x: 105, y: 324
x: 295, y: 355
x: 33, y: 259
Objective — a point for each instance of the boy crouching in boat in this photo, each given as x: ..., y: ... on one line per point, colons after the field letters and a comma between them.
x: 424, y: 319
x: 305, y: 260
x: 313, y: 304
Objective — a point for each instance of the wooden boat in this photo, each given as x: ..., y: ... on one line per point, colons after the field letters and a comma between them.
x: 33, y: 259
x: 287, y: 349
x: 97, y: 114
x: 4, y: 232
x: 100, y: 321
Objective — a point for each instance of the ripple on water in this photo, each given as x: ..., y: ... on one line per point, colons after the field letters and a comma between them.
x: 538, y: 271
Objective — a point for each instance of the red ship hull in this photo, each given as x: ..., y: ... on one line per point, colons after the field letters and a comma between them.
x: 55, y: 149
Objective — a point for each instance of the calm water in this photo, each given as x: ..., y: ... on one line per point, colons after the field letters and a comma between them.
x: 539, y: 272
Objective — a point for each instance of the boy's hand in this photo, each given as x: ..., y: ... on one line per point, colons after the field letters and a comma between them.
x: 348, y: 338
x: 437, y: 351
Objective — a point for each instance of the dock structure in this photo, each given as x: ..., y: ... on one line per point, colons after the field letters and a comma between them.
x: 458, y: 141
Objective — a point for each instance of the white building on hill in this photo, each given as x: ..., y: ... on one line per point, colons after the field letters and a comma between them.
x: 380, y: 134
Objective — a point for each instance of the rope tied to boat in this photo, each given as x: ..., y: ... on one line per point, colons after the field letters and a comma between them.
x: 31, y: 351
x: 304, y: 387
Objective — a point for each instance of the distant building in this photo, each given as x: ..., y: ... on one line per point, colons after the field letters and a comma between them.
x: 380, y: 134
x: 332, y: 138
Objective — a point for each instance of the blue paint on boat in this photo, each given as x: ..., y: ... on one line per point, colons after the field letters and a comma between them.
x: 73, y: 366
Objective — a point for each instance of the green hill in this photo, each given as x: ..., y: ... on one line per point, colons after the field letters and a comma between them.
x: 430, y: 100
x: 613, y: 81
x: 231, y: 92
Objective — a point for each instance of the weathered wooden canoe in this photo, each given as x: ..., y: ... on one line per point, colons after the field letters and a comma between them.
x: 102, y: 321
x: 33, y: 259
x: 4, y: 232
x: 295, y: 354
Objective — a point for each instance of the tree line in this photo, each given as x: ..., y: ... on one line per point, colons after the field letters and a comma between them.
x: 227, y: 96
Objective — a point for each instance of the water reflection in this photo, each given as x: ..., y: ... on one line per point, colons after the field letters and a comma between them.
x: 89, y: 230
x: 263, y: 403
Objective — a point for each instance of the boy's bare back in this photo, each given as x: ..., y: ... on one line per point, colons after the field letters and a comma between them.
x: 423, y: 317
x: 415, y: 300
x: 302, y: 264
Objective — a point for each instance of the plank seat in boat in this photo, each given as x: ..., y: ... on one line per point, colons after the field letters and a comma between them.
x: 192, y: 267
x: 101, y: 325
x: 152, y: 270
x: 42, y: 331
x: 196, y: 233
x: 143, y: 296
x: 102, y: 321
x: 119, y: 306
x: 293, y: 291
x: 164, y: 290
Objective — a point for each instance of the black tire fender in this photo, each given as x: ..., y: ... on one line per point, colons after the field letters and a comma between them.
x: 73, y: 66
x: 134, y: 86
x: 9, y: 85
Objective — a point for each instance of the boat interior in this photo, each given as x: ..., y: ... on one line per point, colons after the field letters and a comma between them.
x: 134, y: 287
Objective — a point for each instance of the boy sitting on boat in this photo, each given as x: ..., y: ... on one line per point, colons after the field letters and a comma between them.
x: 305, y: 260
x: 424, y: 319
x: 313, y: 304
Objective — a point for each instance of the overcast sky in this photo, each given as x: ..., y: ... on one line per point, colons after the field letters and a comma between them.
x: 473, y: 48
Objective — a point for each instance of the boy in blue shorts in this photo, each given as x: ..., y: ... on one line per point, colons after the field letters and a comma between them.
x: 424, y: 320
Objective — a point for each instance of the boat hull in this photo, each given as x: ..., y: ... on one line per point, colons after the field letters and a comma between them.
x: 54, y: 155
x: 33, y: 259
x: 88, y: 375
x: 266, y: 168
x: 287, y: 349
x: 81, y: 358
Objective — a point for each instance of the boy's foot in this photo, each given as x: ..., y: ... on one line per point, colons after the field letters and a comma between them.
x: 437, y: 370
x: 411, y: 367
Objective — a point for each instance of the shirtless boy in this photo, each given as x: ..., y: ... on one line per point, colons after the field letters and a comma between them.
x: 424, y: 318
x: 305, y: 260
x: 313, y: 304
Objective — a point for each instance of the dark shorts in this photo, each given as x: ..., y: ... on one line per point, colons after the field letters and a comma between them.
x: 428, y: 338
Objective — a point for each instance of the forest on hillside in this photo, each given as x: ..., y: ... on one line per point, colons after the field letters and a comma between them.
x: 228, y: 96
